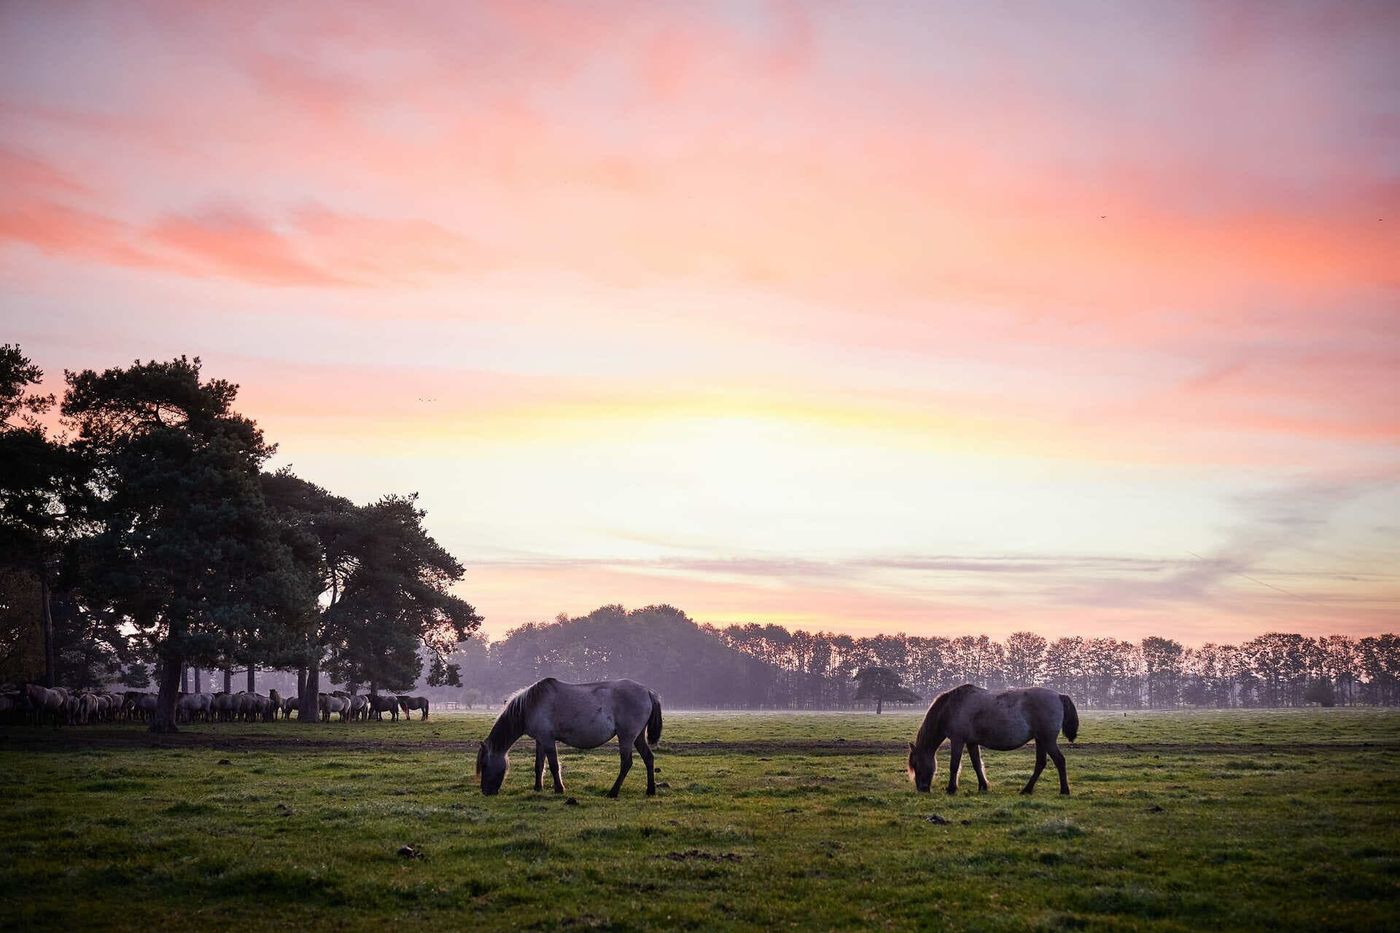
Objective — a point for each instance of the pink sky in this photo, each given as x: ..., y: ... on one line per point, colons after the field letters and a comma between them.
x: 935, y: 318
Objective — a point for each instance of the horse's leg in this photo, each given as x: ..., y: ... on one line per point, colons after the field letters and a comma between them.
x: 975, y: 754
x: 1039, y: 767
x: 1059, y: 759
x: 649, y: 760
x: 539, y: 766
x: 552, y: 755
x: 625, y: 752
x: 954, y: 763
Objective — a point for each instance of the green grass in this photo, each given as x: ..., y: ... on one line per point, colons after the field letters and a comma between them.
x: 1178, y: 821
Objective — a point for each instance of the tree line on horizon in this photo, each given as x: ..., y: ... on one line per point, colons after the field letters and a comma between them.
x: 146, y: 538
x: 770, y: 667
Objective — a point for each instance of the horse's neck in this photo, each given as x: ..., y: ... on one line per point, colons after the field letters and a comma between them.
x: 930, y: 735
x: 505, y: 732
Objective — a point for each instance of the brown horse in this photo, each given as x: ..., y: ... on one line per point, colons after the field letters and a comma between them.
x: 408, y: 704
x: 1006, y: 719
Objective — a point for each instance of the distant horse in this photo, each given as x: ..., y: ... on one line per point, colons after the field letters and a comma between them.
x: 408, y: 704
x: 44, y: 703
x: 359, y: 706
x: 288, y: 705
x: 330, y: 703
x: 581, y: 715
x: 381, y: 703
x: 190, y: 706
x: 1003, y: 720
x: 146, y: 705
x: 89, y: 707
x: 275, y: 705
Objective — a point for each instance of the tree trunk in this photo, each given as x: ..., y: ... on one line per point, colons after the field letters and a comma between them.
x: 251, y: 669
x: 308, y: 703
x: 169, y: 678
x: 228, y: 680
x: 301, y: 681
x: 879, y: 705
x: 184, y: 679
x: 196, y: 680
x: 46, y: 623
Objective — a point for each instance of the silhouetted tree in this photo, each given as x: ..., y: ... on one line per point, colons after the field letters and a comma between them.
x: 185, y: 549
x: 882, y: 685
x: 1025, y: 659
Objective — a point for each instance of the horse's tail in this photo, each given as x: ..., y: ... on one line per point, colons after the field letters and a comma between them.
x: 654, y: 723
x: 1071, y: 722
x: 425, y: 708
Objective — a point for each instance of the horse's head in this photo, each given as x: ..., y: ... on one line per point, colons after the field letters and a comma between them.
x: 491, y: 767
x: 922, y: 766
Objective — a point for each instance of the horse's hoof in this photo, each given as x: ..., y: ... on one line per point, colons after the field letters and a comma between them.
x: 952, y: 792
x: 1065, y: 792
x: 612, y: 795
x: 651, y: 791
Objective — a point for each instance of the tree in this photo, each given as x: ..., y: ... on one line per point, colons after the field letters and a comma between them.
x: 1341, y: 664
x: 1280, y: 660
x: 137, y: 676
x: 333, y: 524
x: 1064, y: 665
x: 38, y: 481
x: 882, y: 685
x: 1025, y: 659
x: 1162, y: 660
x: 185, y: 550
x: 396, y: 598
x: 1321, y: 692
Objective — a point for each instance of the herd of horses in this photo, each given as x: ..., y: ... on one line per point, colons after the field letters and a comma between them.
x: 40, y: 705
x: 589, y: 715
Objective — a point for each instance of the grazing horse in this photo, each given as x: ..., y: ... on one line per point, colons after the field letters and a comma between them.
x: 381, y: 703
x: 408, y: 704
x: 1006, y: 719
x: 581, y: 715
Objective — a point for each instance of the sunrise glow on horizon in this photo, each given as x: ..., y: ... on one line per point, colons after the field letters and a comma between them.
x: 1079, y: 319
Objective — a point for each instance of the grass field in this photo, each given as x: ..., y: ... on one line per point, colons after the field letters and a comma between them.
x: 1178, y: 821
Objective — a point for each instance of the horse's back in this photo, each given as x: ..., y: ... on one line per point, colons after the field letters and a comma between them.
x: 589, y: 714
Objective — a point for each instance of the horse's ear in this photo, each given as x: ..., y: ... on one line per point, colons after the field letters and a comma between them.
x: 912, y: 748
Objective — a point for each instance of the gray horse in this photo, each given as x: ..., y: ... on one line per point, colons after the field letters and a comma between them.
x: 1006, y: 719
x: 44, y: 703
x: 381, y: 703
x: 330, y: 703
x: 581, y: 715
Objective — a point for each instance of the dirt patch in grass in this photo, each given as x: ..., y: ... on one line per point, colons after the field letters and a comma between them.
x: 699, y: 855
x: 68, y: 740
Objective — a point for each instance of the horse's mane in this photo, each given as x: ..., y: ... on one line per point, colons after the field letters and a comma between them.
x: 943, y: 706
x: 510, y: 725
